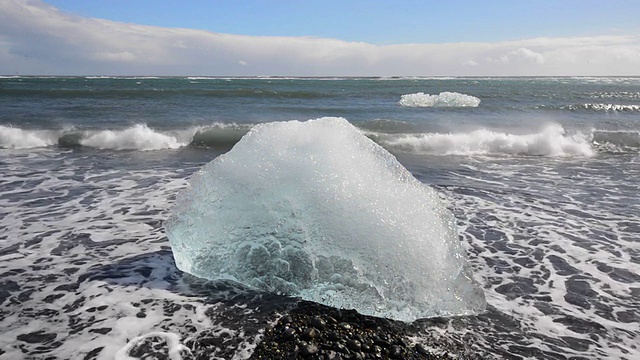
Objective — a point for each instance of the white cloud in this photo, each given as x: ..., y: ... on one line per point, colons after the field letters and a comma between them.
x: 522, y: 55
x: 55, y: 42
x: 624, y: 53
x: 122, y: 56
x: 470, y: 63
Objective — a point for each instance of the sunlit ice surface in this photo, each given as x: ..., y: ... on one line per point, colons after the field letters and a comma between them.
x: 317, y: 210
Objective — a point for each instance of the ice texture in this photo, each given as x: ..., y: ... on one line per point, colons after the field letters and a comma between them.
x: 444, y: 99
x: 317, y: 210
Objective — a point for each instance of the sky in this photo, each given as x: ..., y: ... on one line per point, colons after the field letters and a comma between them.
x: 320, y: 38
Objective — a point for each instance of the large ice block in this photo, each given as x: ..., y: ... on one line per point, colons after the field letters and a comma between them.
x: 317, y: 210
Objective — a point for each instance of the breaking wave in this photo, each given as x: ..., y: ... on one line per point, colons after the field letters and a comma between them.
x: 137, y: 137
x: 219, y: 136
x: 444, y: 99
x: 16, y: 138
x: 550, y: 141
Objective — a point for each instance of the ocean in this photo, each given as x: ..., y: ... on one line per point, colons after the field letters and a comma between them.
x: 542, y: 175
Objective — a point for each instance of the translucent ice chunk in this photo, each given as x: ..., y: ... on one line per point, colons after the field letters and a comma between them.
x: 317, y: 210
x: 444, y: 99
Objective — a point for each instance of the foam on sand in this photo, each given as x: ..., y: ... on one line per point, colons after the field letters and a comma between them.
x: 176, y: 349
x: 316, y: 209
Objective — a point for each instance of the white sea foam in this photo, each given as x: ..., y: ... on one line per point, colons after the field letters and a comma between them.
x: 606, y: 107
x: 550, y: 141
x: 138, y: 137
x: 173, y: 341
x: 16, y: 138
x: 598, y: 107
x: 121, y: 77
x: 444, y: 99
x: 577, y: 232
x: 626, y: 95
x: 203, y: 78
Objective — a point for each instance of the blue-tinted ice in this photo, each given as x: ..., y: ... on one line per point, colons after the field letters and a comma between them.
x: 317, y: 210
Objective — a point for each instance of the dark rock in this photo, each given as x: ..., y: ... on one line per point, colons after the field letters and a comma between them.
x: 400, y: 342
x: 318, y: 323
x: 354, y: 336
x: 289, y: 334
x: 381, y: 342
x: 308, y: 350
x: 310, y: 334
x: 333, y: 336
x: 370, y: 324
x: 396, y: 352
x: 332, y: 355
x: 421, y: 350
x: 354, y: 345
x: 341, y: 348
